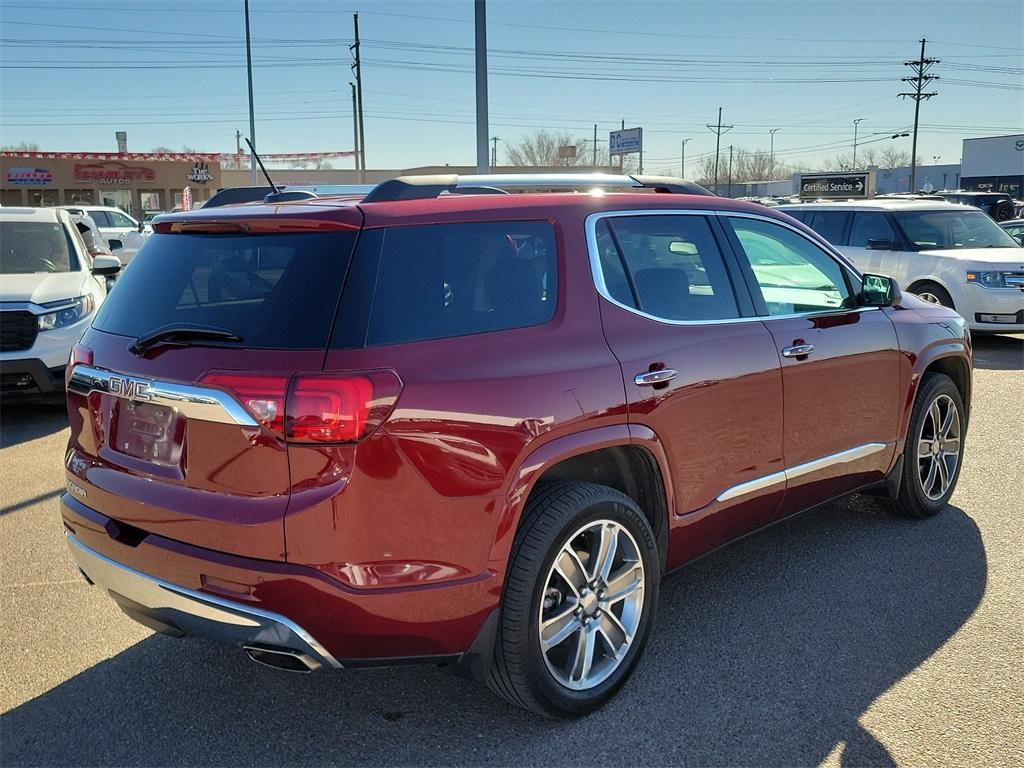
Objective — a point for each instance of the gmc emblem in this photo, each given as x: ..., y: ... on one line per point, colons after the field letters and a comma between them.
x: 129, y: 388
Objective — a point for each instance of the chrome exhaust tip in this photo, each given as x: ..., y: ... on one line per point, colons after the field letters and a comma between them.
x: 281, y: 658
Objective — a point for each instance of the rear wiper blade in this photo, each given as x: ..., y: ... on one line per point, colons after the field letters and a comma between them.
x: 181, y: 332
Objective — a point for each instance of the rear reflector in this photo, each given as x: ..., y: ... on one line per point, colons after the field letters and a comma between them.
x: 318, y: 408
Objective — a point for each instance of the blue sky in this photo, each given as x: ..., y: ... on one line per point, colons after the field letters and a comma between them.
x: 171, y: 72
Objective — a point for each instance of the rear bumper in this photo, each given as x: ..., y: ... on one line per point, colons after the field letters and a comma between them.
x: 273, y: 603
x: 176, y: 611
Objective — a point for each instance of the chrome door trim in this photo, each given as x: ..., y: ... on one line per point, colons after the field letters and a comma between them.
x: 193, y: 402
x: 753, y: 485
x: 851, y: 454
x: 785, y: 475
x: 590, y: 227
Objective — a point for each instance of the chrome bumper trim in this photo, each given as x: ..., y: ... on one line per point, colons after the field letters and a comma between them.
x: 200, y: 614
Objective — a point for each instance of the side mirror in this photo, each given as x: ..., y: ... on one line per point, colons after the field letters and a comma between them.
x: 142, y: 227
x: 879, y: 291
x: 881, y: 245
x: 106, y: 266
x: 115, y: 244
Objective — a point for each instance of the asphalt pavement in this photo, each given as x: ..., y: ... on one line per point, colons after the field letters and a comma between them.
x: 840, y: 637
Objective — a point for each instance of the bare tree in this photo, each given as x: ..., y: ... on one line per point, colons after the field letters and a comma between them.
x: 747, y: 166
x: 23, y: 147
x: 541, y: 149
x: 887, y: 157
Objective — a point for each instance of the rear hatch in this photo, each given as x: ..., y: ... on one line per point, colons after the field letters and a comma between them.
x: 177, y: 394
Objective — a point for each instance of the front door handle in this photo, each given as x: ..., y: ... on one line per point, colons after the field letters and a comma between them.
x: 650, y: 378
x: 798, y: 350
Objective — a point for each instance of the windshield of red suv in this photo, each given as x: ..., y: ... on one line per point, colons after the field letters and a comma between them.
x: 273, y: 291
x: 945, y: 230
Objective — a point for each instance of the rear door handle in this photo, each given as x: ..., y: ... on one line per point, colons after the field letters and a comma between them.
x: 650, y: 378
x: 798, y: 350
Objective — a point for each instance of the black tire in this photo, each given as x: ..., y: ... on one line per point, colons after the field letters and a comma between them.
x: 519, y: 672
x: 934, y: 289
x: 912, y: 500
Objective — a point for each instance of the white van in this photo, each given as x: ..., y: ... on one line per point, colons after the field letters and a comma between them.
x: 948, y: 254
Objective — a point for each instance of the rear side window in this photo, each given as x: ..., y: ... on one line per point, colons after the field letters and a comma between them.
x: 675, y: 269
x: 446, y: 280
x: 275, y: 291
x: 829, y: 224
x: 100, y: 217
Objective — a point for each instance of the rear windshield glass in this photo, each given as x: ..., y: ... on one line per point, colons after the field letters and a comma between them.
x: 448, y: 280
x: 28, y: 247
x: 275, y: 291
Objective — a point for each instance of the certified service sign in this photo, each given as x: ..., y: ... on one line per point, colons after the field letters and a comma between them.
x: 29, y: 177
x: 844, y: 185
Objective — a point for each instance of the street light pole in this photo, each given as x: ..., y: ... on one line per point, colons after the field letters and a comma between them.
x: 855, y: 124
x: 482, y: 133
x: 252, y: 113
x: 771, y: 154
x: 682, y: 161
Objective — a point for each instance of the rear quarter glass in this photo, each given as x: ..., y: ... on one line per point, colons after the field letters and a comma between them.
x: 446, y: 280
x: 276, y: 291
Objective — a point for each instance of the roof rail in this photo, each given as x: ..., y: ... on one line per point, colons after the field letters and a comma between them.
x: 427, y: 187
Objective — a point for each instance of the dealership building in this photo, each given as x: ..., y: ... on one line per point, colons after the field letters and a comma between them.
x: 994, y: 164
x: 134, y: 182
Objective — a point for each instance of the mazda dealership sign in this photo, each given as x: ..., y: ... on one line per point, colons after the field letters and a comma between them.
x: 842, y: 186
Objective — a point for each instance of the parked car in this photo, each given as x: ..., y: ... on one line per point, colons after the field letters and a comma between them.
x: 476, y: 429
x: 998, y: 205
x: 1015, y: 229
x: 51, y: 286
x: 948, y: 254
x: 124, y: 234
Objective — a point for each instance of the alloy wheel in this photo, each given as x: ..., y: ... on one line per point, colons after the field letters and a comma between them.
x: 931, y: 298
x: 591, y: 605
x: 938, y: 447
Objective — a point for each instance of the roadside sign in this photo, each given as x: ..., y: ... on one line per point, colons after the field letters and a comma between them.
x: 186, y: 199
x: 837, y: 185
x: 567, y: 152
x: 626, y: 141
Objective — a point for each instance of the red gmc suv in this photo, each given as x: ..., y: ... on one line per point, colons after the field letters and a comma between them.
x: 448, y: 424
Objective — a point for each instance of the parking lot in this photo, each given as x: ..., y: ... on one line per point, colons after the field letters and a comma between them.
x: 842, y: 637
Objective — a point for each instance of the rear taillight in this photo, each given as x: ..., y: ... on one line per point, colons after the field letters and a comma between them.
x: 80, y: 355
x: 320, y: 408
x: 262, y: 395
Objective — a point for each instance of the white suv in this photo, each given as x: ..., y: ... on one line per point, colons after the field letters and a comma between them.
x: 50, y: 288
x: 117, y: 227
x: 949, y: 254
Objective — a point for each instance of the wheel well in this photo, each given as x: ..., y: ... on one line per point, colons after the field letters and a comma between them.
x: 957, y: 370
x: 628, y: 469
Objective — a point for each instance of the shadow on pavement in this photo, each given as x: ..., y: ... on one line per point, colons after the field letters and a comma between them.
x: 999, y: 352
x: 765, y: 653
x: 22, y: 422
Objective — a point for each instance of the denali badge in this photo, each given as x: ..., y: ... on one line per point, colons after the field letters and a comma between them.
x: 133, y: 389
x: 78, y: 490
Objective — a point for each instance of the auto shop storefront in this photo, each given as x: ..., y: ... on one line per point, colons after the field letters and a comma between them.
x: 134, y: 182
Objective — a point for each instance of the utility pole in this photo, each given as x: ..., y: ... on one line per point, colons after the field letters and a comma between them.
x: 252, y: 113
x: 919, y: 80
x: 771, y: 153
x: 718, y: 131
x: 494, y: 150
x: 855, y: 124
x: 595, y: 146
x: 729, y: 193
x: 355, y: 131
x: 682, y: 160
x: 357, y: 69
x: 238, y: 142
x: 480, y: 14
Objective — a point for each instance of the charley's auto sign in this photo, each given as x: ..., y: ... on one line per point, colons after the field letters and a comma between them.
x: 112, y: 172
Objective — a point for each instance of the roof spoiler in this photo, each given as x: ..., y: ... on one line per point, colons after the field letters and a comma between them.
x: 427, y: 187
